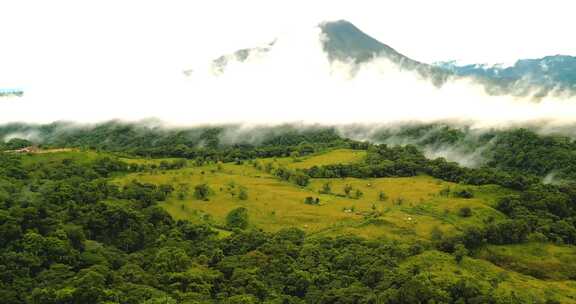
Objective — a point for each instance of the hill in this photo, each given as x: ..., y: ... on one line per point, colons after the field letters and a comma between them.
x: 303, y: 217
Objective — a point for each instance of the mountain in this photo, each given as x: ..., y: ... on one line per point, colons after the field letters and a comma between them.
x: 544, y: 74
x: 220, y: 63
x: 343, y: 41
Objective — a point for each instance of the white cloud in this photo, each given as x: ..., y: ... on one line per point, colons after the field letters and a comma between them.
x: 89, y: 61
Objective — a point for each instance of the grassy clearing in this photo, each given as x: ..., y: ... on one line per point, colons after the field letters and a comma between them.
x: 540, y: 260
x: 83, y: 156
x: 76, y: 155
x: 146, y: 161
x: 337, y: 156
x: 413, y: 207
x: 272, y: 204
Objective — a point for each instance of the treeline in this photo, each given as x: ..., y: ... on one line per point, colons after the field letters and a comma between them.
x: 297, y: 177
x: 224, y: 143
x: 385, y: 161
x: 520, y: 150
x: 15, y: 144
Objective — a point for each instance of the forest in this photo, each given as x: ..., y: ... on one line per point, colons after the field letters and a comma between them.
x: 85, y: 226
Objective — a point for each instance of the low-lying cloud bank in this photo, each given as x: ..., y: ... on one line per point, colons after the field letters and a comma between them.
x: 293, y: 80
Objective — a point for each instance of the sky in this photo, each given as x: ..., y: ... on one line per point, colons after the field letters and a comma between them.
x: 94, y: 60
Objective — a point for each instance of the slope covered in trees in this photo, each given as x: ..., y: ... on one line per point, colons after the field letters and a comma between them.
x: 85, y: 226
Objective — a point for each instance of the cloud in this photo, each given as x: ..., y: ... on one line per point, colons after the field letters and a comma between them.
x: 293, y: 81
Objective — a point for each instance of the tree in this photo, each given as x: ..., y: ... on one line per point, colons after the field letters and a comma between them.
x: 309, y: 200
x: 347, y: 189
x: 238, y: 218
x: 382, y: 196
x: 460, y: 252
x: 326, y: 188
x: 464, y: 193
x: 294, y: 155
x: 465, y: 212
x: 183, y: 189
x: 241, y: 299
x: 300, y: 179
x: 436, y: 234
x: 445, y: 191
x: 202, y: 191
x: 171, y: 259
x: 242, y: 194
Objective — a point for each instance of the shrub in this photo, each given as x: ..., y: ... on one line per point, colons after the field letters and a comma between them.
x: 382, y: 196
x: 238, y: 218
x: 464, y: 193
x: 243, y: 194
x: 202, y: 191
x: 311, y: 201
x: 465, y: 212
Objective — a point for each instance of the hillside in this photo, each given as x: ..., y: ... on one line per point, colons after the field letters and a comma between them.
x: 302, y: 217
x: 413, y: 206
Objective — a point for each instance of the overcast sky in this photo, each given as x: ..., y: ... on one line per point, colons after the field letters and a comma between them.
x: 127, y: 45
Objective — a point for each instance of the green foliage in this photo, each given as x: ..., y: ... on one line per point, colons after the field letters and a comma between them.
x: 309, y: 200
x: 202, y: 192
x: 465, y: 212
x: 358, y: 194
x: 464, y: 193
x: 326, y: 188
x: 382, y: 196
x: 15, y: 144
x: 294, y: 176
x: 238, y: 218
x: 70, y: 235
x: 347, y: 189
x: 242, y: 194
x: 460, y: 252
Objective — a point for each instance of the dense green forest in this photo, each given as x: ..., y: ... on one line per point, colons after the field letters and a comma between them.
x: 521, y: 150
x: 68, y: 234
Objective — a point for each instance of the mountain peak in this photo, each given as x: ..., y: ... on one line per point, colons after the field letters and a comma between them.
x: 345, y: 41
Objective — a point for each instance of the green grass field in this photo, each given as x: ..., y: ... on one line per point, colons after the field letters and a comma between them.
x: 344, y: 156
x: 76, y: 155
x: 412, y: 210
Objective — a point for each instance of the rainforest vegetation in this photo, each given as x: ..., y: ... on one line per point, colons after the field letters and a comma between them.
x: 129, y: 214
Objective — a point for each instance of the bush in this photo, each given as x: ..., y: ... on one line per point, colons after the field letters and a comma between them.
x: 243, y: 194
x: 202, y: 191
x: 460, y: 252
x: 238, y: 218
x: 326, y: 188
x: 465, y: 212
x: 347, y: 190
x: 382, y: 196
x: 464, y: 193
x: 311, y: 201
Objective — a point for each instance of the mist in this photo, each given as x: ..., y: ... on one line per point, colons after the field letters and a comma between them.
x: 289, y: 81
